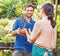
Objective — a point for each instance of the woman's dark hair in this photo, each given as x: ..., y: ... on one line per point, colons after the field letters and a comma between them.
x: 48, y: 9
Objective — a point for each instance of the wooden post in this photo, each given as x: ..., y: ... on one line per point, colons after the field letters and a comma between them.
x: 56, y: 3
x: 56, y: 9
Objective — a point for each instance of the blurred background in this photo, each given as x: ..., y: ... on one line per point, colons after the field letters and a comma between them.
x: 10, y: 10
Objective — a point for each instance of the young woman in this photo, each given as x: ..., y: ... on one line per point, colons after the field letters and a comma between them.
x: 44, y: 34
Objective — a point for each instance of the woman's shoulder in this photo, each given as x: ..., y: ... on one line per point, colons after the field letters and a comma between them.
x: 39, y: 22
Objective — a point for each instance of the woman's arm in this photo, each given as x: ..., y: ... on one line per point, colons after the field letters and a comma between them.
x: 35, y: 33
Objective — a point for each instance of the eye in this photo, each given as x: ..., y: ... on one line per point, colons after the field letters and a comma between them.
x: 27, y: 10
x: 30, y: 10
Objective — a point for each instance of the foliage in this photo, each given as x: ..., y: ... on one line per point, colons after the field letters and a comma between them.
x: 58, y: 22
x: 5, y: 31
x: 4, y: 22
x: 2, y: 31
x: 14, y: 8
x: 7, y: 38
x: 58, y: 47
x: 58, y: 30
x: 7, y: 7
x: 6, y: 53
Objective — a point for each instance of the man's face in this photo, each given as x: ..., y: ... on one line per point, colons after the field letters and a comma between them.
x: 29, y: 11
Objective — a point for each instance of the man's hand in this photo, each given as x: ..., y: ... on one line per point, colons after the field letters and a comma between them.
x: 18, y: 31
x: 21, y: 31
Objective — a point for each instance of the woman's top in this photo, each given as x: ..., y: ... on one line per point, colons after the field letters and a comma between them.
x: 43, y: 34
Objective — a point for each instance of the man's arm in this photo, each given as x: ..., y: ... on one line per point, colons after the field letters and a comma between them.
x: 13, y: 33
x: 18, y: 31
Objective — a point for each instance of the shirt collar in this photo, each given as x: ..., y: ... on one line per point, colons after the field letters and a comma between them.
x: 45, y: 18
x: 26, y: 21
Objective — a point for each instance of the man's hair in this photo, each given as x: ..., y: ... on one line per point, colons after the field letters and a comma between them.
x: 29, y: 5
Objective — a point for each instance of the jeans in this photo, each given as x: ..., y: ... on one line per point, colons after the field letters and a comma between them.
x: 24, y: 53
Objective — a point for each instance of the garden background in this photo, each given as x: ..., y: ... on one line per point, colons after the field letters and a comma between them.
x: 11, y: 9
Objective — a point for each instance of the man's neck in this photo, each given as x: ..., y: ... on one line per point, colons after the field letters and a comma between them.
x: 28, y: 19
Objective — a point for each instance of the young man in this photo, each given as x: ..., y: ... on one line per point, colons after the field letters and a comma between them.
x: 22, y: 46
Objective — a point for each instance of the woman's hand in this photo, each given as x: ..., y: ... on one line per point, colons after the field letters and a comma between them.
x: 46, y: 54
x: 29, y: 31
x: 21, y: 31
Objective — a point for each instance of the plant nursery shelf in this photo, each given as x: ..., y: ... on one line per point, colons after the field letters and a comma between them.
x: 6, y: 46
